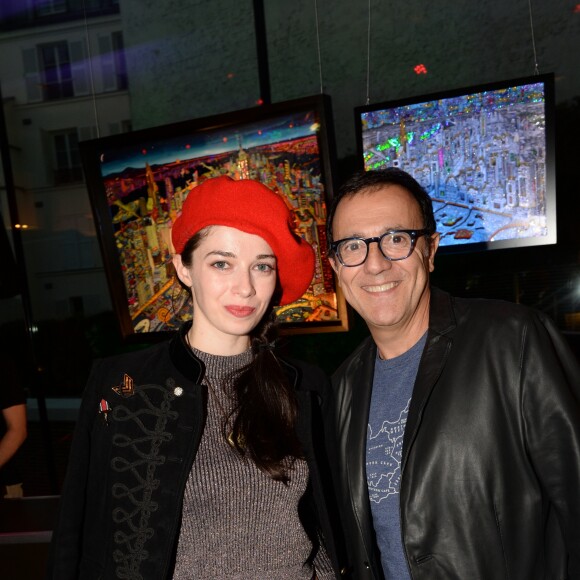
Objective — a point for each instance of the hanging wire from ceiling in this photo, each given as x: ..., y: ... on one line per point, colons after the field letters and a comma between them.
x: 536, y: 67
x: 318, y: 45
x: 91, y: 75
x: 369, y: 56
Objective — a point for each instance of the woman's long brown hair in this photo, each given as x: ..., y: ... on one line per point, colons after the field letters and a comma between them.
x: 264, y: 417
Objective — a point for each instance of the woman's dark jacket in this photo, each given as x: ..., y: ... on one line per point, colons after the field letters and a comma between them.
x: 136, y: 438
x: 490, y: 484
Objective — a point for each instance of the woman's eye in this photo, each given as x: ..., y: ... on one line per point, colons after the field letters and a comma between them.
x: 220, y: 265
x: 265, y: 267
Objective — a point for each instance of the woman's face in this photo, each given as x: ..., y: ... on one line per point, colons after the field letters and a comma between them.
x: 232, y: 279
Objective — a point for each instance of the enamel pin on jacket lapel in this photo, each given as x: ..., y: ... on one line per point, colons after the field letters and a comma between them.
x: 126, y: 388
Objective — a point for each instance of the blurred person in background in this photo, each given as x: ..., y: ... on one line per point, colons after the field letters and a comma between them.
x: 13, y: 427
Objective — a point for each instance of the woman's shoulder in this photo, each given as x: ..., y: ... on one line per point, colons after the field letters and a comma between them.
x: 133, y: 361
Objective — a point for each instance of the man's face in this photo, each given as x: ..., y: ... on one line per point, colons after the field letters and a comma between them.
x: 392, y: 297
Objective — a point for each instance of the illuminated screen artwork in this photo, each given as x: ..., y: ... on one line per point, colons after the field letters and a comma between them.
x: 484, y: 155
x: 139, y: 181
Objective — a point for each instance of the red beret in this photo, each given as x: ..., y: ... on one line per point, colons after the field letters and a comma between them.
x: 251, y: 207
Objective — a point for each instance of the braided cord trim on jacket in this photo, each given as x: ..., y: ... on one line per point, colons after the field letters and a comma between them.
x: 140, y: 458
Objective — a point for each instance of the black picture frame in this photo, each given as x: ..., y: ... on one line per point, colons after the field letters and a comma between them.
x: 485, y: 154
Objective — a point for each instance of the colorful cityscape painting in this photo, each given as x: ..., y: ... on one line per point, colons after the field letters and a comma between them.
x: 146, y: 178
x: 482, y: 155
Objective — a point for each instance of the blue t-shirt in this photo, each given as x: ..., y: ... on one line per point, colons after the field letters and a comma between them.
x: 392, y: 390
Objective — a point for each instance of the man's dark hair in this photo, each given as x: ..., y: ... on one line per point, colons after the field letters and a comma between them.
x: 365, y: 181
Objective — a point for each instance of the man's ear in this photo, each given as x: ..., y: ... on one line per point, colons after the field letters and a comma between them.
x: 181, y: 270
x: 433, y: 245
x: 334, y: 263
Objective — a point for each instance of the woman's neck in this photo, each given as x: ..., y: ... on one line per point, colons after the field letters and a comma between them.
x: 229, y: 345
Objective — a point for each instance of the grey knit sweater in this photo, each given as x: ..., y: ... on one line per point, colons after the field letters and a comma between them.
x: 237, y: 522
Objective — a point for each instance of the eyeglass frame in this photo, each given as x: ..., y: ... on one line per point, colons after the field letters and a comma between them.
x: 415, y: 235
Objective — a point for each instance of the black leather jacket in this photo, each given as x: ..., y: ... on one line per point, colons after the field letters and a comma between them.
x: 490, y: 483
x: 121, y: 502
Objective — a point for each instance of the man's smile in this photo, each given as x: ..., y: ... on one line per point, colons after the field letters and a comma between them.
x: 381, y: 287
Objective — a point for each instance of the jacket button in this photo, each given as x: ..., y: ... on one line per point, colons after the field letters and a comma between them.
x: 367, y: 565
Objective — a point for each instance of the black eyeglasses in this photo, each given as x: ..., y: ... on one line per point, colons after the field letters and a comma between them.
x: 394, y: 245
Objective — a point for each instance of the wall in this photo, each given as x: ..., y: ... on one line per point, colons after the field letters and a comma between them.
x: 180, y: 61
x: 189, y: 59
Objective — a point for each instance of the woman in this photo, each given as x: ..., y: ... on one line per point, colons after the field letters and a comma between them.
x: 200, y: 457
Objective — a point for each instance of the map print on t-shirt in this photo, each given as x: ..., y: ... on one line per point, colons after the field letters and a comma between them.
x: 384, y: 454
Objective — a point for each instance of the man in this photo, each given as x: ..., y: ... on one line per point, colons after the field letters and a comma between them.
x: 457, y: 421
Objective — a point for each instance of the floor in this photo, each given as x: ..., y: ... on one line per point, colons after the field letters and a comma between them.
x: 25, y: 529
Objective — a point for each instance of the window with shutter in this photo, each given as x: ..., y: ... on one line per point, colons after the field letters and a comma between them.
x: 113, y: 65
x: 55, y: 71
x: 66, y: 157
x: 31, y: 75
x: 107, y: 63
x: 79, y: 68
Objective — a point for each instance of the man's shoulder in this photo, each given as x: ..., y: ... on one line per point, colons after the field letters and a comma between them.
x: 494, y: 310
x: 362, y: 355
x: 455, y: 316
x: 489, y: 309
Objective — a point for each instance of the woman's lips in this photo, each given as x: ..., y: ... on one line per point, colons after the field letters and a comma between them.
x: 240, y: 311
